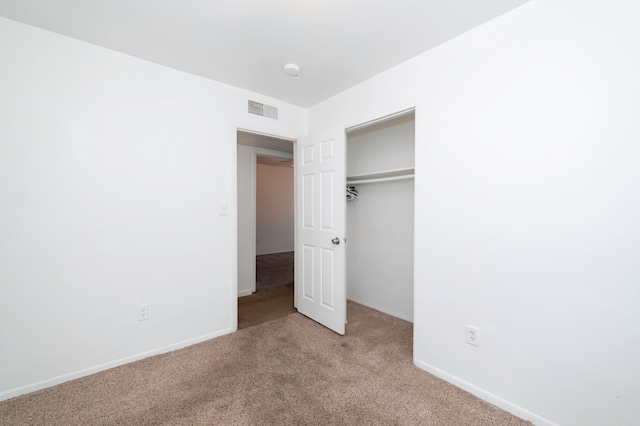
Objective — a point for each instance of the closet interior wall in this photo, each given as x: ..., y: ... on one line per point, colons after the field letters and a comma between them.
x: 380, y: 221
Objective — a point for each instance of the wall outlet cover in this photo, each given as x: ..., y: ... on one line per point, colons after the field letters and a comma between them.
x: 143, y: 312
x: 473, y: 335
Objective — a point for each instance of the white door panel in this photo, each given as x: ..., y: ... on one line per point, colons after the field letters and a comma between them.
x: 321, y: 209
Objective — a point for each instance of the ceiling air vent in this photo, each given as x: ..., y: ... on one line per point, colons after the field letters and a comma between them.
x: 256, y: 108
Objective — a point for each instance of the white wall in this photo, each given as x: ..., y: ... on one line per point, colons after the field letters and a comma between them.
x: 380, y: 248
x: 380, y: 221
x: 111, y: 174
x: 527, y: 206
x: 246, y: 252
x: 274, y: 209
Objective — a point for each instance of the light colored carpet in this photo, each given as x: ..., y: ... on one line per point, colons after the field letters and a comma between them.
x: 289, y: 371
x: 265, y: 305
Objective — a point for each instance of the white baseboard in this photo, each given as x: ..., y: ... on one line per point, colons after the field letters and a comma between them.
x: 514, y: 409
x: 12, y: 393
x: 243, y: 293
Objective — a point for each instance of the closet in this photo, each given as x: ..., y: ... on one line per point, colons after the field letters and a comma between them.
x: 379, y: 249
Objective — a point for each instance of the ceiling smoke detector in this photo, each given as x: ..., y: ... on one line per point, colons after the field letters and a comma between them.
x: 292, y: 70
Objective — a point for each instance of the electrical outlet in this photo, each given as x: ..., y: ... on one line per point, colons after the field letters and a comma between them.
x: 143, y: 312
x: 473, y: 335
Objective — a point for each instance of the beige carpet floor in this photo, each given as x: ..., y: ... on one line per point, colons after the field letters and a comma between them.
x: 265, y: 305
x: 288, y: 371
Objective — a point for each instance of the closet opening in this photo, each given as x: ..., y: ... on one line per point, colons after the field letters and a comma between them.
x: 380, y: 215
x: 266, y: 228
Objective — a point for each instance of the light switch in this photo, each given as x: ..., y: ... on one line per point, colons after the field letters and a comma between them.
x: 223, y: 208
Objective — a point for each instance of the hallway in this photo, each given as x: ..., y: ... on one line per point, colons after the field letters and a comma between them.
x: 274, y: 270
x: 273, y: 298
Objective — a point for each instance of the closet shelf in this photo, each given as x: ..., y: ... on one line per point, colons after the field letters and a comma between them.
x: 386, y: 176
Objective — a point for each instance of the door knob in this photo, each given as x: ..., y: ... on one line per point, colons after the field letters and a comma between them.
x: 336, y: 241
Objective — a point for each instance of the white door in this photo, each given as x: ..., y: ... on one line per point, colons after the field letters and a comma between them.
x: 321, y: 209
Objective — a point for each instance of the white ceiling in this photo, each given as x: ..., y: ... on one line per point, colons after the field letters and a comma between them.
x: 245, y: 43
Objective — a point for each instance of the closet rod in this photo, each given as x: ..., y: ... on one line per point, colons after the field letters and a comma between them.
x: 384, y: 179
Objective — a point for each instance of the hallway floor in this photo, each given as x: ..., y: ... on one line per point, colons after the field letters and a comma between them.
x: 273, y: 298
x: 274, y: 270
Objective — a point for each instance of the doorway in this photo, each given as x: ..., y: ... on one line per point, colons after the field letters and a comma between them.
x: 275, y: 225
x: 266, y: 228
